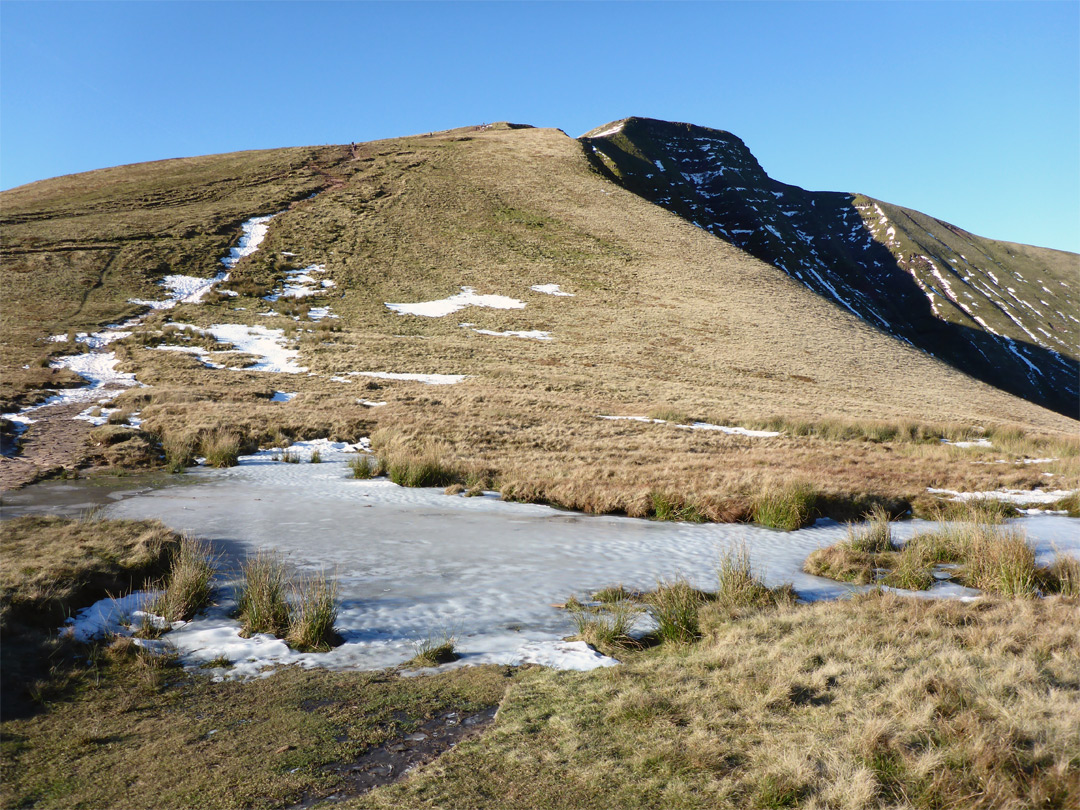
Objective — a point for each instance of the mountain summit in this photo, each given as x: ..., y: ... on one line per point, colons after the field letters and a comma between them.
x: 1001, y: 312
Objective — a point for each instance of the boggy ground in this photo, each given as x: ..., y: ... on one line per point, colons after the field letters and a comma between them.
x: 874, y: 702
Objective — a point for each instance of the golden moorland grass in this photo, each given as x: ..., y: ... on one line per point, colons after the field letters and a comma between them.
x: 51, y: 565
x: 665, y: 319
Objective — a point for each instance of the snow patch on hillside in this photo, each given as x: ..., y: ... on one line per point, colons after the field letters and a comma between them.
x: 447, y: 306
x: 550, y: 289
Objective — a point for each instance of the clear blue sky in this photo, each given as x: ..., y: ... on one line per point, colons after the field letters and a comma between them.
x: 967, y: 111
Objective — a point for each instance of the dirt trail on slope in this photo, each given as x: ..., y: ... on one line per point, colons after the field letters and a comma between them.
x: 56, y: 440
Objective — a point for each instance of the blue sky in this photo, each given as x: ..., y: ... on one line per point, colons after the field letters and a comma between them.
x: 967, y: 111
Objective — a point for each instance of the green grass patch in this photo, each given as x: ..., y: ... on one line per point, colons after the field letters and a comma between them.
x: 785, y: 507
x: 221, y: 448
x: 674, y: 508
x: 434, y: 651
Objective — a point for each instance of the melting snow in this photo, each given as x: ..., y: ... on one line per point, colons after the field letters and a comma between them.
x: 266, y: 344
x: 282, y: 396
x: 609, y: 131
x: 738, y: 431
x: 550, y: 289
x: 254, y: 231
x: 532, y: 335
x: 429, y: 379
x: 1008, y: 495
x: 446, y: 306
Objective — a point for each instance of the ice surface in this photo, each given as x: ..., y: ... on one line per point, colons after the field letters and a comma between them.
x: 415, y: 563
x: 282, y: 396
x: 446, y: 306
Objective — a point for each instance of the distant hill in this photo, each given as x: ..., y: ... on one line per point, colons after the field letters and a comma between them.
x: 766, y: 316
x: 1001, y: 312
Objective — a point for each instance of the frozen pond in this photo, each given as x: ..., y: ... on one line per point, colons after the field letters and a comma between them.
x: 415, y: 563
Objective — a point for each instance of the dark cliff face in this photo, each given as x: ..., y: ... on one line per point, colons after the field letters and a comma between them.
x: 1003, y: 313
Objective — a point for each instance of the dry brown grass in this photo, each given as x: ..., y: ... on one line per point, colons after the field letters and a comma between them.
x: 666, y: 319
x: 50, y: 566
x: 874, y: 702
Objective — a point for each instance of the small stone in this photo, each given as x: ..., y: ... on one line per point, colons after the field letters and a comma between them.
x: 418, y: 736
x: 396, y: 747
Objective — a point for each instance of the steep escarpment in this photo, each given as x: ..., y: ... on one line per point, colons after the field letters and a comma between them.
x: 1001, y: 312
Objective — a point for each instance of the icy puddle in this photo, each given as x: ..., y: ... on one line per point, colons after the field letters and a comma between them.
x: 413, y: 564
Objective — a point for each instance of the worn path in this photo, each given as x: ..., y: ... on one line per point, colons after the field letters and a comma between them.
x: 56, y: 440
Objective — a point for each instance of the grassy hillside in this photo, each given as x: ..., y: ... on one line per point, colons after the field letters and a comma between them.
x: 1003, y: 313
x: 76, y: 248
x: 665, y: 319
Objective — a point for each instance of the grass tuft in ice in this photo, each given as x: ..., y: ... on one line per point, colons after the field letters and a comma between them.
x: 289, y: 457
x: 1063, y: 577
x: 872, y: 536
x: 261, y: 603
x: 433, y: 651
x: 674, y: 604
x: 420, y: 471
x: 121, y: 417
x: 364, y: 467
x: 842, y: 563
x: 606, y: 627
x: 737, y: 584
x: 179, y: 449
x: 316, y: 457
x: 188, y: 585
x: 1001, y: 563
x: 313, y: 613
x: 614, y: 593
x: 786, y: 507
x: 221, y: 448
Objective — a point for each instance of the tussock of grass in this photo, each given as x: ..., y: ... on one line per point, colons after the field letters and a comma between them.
x: 425, y: 469
x: 434, y: 651
x: 675, y: 605
x: 674, y: 508
x: 187, y: 586
x: 1063, y: 577
x: 615, y: 593
x: 179, y: 449
x: 739, y: 587
x: 221, y: 448
x: 1001, y: 563
x: 873, y: 536
x: 607, y: 628
x: 364, y: 467
x: 842, y: 563
x: 313, y: 613
x: 785, y: 507
x: 261, y: 604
